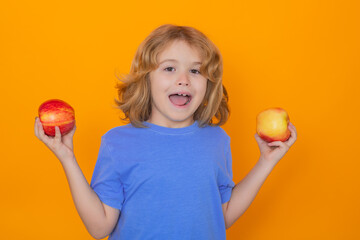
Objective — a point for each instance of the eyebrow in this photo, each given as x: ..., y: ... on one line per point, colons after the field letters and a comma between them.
x: 174, y: 60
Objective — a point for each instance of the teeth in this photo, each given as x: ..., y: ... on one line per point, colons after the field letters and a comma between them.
x: 182, y: 94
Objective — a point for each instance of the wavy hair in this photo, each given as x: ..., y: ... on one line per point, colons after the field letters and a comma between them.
x: 134, y: 96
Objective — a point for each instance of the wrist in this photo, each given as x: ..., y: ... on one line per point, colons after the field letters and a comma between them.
x: 265, y: 163
x: 67, y: 160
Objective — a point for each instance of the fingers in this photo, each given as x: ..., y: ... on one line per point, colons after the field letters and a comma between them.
x: 73, y: 130
x: 36, y: 128
x: 57, y: 137
x: 292, y: 128
x: 293, y: 135
x: 39, y: 131
x: 68, y: 138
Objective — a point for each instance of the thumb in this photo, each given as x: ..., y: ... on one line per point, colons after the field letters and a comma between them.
x: 258, y: 139
x: 57, y: 136
x: 275, y: 143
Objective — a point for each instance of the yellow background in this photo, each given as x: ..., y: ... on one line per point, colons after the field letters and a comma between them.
x: 302, y: 56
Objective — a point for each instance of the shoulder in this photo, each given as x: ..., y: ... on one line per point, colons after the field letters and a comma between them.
x: 215, y: 133
x: 120, y: 133
x: 118, y: 129
x: 125, y: 135
x: 216, y: 130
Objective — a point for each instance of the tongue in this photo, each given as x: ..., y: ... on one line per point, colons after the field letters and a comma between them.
x: 178, y: 100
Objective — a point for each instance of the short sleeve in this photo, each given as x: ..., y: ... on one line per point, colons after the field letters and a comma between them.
x: 105, y: 179
x: 225, y: 177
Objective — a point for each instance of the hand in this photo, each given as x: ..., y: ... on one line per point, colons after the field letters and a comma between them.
x: 274, y: 151
x: 61, y: 146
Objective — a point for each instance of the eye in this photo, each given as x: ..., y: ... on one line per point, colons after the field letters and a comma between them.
x: 195, y: 71
x: 166, y: 69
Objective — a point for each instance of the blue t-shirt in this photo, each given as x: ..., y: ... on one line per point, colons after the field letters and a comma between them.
x: 168, y: 183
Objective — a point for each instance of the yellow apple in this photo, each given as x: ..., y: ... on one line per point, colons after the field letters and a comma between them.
x: 272, y: 125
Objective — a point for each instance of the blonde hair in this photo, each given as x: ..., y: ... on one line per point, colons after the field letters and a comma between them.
x: 134, y: 89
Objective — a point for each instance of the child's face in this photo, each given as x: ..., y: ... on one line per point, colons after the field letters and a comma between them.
x: 179, y: 75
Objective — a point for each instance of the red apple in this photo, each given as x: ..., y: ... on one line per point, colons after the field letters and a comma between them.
x: 55, y: 112
x: 272, y: 125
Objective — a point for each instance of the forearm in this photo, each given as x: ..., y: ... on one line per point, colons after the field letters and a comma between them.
x: 246, y: 190
x: 86, y: 201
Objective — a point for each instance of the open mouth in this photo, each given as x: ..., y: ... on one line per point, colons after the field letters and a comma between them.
x: 180, y: 99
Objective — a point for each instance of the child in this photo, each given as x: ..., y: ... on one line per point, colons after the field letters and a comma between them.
x: 168, y: 173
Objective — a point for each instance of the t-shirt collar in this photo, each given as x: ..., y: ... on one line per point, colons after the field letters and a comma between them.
x: 166, y: 130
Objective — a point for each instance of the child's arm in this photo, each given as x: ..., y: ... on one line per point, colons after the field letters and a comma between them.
x: 98, y: 218
x: 246, y: 190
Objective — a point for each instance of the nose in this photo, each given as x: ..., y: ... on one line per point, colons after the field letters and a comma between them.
x: 183, y: 80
